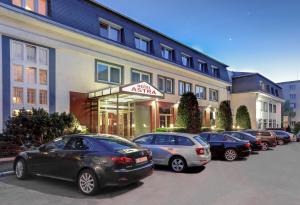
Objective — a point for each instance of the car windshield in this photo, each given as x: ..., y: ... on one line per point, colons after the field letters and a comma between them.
x: 201, y: 140
x: 116, y: 143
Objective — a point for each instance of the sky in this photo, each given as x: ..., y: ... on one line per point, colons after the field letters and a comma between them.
x: 248, y: 35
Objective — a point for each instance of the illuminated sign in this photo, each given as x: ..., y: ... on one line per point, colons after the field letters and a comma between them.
x: 142, y: 88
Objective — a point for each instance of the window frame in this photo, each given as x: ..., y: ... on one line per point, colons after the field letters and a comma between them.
x: 142, y: 38
x: 205, y: 92
x: 35, y: 5
x: 189, y: 60
x: 215, y: 71
x: 110, y: 25
x: 109, y: 65
x: 140, y: 72
x: 165, y: 79
x: 211, y: 98
x: 202, y: 69
x: 184, y: 87
x: 167, y: 48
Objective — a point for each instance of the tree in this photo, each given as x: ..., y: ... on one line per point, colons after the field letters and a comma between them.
x: 188, y: 115
x: 225, y: 116
x: 297, y: 128
x: 243, y: 117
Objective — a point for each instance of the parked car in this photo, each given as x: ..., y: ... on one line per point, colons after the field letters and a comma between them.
x: 176, y: 150
x: 298, y: 137
x: 255, y: 142
x: 222, y: 145
x: 268, y: 139
x: 93, y: 161
x: 282, y: 137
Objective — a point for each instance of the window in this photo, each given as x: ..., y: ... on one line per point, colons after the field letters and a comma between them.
x: 186, y: 60
x: 110, y: 30
x: 274, y: 124
x: 184, y: 87
x: 215, y: 71
x: 138, y: 76
x: 18, y: 73
x: 265, y: 107
x: 142, y: 43
x: 77, y: 143
x: 165, y: 117
x: 292, y: 87
x: 272, y: 91
x: 58, y: 143
x: 164, y: 140
x: 17, y: 2
x: 274, y: 108
x: 165, y: 84
x: 276, y: 93
x: 292, y: 96
x: 202, y: 66
x: 108, y: 73
x: 293, y: 105
x: 43, y: 77
x: 31, y: 96
x: 17, y: 95
x: 270, y: 124
x: 43, y: 56
x: 265, y: 122
x: 200, y: 92
x: 37, y: 6
x: 145, y: 140
x: 166, y: 52
x: 213, y: 95
x: 17, y: 51
x: 30, y: 75
x: 262, y: 85
x: 184, y: 141
x: 43, y: 97
x: 31, y: 53
x: 270, y: 107
x: 217, y: 137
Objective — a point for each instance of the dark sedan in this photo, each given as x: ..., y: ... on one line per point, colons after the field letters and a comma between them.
x: 93, y: 161
x: 225, y: 146
x: 254, y: 142
x: 282, y: 137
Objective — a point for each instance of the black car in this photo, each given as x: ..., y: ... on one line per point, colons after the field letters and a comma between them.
x: 225, y: 146
x: 254, y: 142
x: 93, y: 161
x: 282, y: 137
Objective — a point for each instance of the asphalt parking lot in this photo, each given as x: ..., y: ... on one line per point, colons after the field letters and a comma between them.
x: 267, y: 178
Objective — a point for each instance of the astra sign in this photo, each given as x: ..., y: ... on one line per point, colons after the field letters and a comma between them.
x: 142, y: 88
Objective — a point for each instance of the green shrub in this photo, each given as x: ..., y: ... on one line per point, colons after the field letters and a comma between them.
x: 243, y: 118
x: 175, y: 129
x: 188, y: 115
x: 225, y: 116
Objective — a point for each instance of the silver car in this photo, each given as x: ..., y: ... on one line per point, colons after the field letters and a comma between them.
x: 177, y: 150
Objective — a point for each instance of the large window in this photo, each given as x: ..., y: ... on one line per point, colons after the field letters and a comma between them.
x: 292, y: 96
x: 142, y: 43
x: 106, y: 72
x: 265, y: 107
x: 138, y: 76
x: 29, y: 79
x: 200, y: 92
x: 165, y: 117
x: 202, y: 66
x: 37, y: 6
x: 186, y: 60
x: 166, y: 52
x: 184, y: 87
x: 110, y: 30
x: 215, y: 71
x: 213, y: 95
x: 165, y: 84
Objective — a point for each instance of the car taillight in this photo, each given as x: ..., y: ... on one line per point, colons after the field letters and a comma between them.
x: 122, y: 160
x: 200, y: 151
x: 258, y: 142
x: 247, y: 145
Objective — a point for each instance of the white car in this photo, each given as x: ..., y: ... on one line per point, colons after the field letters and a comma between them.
x: 177, y: 150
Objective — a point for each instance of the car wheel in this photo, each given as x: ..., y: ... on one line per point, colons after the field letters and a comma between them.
x: 280, y: 142
x: 87, y: 182
x: 265, y: 146
x: 178, y: 164
x: 21, y: 169
x: 230, y: 155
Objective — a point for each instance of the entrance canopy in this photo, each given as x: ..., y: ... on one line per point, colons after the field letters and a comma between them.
x: 131, y: 92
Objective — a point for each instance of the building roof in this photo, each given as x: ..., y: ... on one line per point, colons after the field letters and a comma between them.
x: 288, y: 82
x: 151, y: 29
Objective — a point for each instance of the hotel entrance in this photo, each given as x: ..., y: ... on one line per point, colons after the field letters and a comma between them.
x: 125, y: 111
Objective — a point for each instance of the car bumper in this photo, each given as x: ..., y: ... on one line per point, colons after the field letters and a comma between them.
x: 123, y: 177
x: 256, y: 147
x: 199, y: 162
x: 245, y: 153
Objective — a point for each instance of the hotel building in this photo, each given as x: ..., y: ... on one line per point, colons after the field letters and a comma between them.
x: 262, y: 97
x: 114, y: 74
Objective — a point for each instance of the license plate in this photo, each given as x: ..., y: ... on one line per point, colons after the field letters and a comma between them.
x: 141, y: 160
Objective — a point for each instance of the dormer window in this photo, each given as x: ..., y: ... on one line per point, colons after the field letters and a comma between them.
x: 202, y: 66
x: 186, y: 60
x: 166, y: 52
x: 37, y: 6
x: 142, y: 42
x: 215, y: 71
x: 110, y: 30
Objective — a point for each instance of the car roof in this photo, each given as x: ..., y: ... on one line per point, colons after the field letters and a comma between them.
x: 189, y: 135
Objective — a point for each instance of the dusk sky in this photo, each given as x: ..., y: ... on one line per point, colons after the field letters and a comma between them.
x: 248, y: 35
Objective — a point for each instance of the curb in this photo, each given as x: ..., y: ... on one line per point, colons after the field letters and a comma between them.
x: 7, y: 173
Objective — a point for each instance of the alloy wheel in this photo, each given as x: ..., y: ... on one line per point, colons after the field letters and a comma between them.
x: 19, y: 169
x: 280, y: 142
x: 265, y: 146
x: 178, y: 165
x: 86, y: 183
x: 230, y: 155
